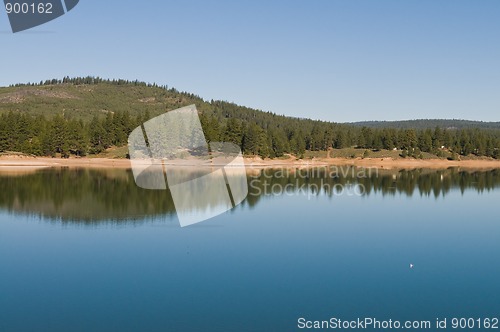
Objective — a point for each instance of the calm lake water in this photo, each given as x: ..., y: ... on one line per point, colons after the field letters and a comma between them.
x: 87, y: 250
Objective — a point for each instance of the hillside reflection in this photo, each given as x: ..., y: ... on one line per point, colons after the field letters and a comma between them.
x: 96, y: 196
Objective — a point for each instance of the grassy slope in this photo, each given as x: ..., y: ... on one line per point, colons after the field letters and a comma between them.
x: 84, y: 101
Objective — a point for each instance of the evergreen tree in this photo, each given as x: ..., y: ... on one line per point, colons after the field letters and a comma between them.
x: 97, y: 136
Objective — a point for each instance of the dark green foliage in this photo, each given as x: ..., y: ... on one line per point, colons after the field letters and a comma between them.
x: 233, y: 132
x: 211, y: 128
x: 254, y: 141
x: 428, y: 124
x: 60, y: 136
x: 98, y: 136
x: 279, y: 142
x: 76, y: 116
x: 425, y: 140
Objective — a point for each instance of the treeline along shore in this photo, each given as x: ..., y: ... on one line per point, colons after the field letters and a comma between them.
x: 78, y: 117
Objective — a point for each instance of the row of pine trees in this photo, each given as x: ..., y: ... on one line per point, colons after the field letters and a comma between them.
x: 270, y: 138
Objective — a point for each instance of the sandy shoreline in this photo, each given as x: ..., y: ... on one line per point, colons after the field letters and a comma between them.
x: 23, y: 163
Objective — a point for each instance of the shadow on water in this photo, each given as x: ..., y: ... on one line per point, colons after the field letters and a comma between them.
x: 102, y: 196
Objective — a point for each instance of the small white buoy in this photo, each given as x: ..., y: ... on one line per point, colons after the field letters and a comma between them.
x: 411, y: 266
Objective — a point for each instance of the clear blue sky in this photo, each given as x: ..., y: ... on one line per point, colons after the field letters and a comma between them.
x: 332, y: 60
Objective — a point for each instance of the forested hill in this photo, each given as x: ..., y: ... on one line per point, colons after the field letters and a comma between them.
x: 428, y: 123
x: 80, y: 116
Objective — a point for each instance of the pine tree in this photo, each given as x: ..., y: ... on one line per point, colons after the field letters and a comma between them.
x: 233, y: 132
x: 97, y: 136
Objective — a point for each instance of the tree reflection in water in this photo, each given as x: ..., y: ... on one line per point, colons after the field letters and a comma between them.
x: 96, y: 196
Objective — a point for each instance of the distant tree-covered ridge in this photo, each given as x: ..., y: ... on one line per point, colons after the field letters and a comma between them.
x: 429, y: 123
x: 86, y: 115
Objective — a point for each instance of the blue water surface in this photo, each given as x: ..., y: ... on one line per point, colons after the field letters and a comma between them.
x: 256, y: 268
